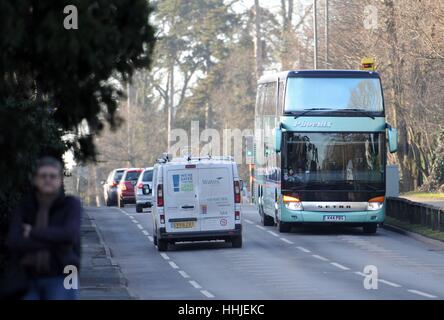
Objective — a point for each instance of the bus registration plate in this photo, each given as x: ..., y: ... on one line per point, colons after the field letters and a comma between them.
x: 334, y: 218
x: 183, y: 225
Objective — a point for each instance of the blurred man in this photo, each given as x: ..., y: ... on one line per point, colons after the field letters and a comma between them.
x: 45, y: 235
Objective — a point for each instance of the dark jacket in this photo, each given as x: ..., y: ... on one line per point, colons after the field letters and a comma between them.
x: 61, y: 237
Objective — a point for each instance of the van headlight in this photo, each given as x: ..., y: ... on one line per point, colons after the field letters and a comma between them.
x: 372, y: 206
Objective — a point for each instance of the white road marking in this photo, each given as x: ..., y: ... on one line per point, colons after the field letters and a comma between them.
x: 287, y: 241
x: 248, y: 221
x: 340, y: 266
x: 319, y: 257
x: 359, y: 273
x: 173, y: 265
x: 303, y: 249
x: 184, y: 274
x: 140, y: 227
x: 165, y: 256
x: 206, y: 294
x: 260, y: 227
x: 390, y: 283
x: 195, y: 284
x: 145, y: 232
x: 424, y: 294
x: 150, y: 238
x: 135, y: 221
x: 273, y: 233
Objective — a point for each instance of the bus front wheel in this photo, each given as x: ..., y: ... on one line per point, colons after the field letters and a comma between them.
x: 284, y: 227
x: 370, y: 228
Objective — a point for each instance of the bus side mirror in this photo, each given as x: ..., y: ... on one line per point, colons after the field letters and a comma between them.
x: 277, y: 139
x: 392, y: 139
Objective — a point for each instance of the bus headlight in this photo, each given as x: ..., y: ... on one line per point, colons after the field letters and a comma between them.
x: 372, y: 206
x: 375, y: 203
x: 292, y: 203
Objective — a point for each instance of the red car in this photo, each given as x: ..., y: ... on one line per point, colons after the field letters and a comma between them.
x: 125, y: 189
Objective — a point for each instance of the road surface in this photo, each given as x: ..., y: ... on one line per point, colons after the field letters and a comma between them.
x: 308, y: 263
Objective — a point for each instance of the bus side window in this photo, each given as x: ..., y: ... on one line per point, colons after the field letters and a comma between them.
x: 281, y: 90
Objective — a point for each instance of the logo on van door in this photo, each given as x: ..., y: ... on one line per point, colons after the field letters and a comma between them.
x: 215, y: 181
x: 182, y: 182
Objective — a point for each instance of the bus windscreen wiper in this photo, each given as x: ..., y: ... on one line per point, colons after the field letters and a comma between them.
x: 362, y: 111
x: 305, y: 111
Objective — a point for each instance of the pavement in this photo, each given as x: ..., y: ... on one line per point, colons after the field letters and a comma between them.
x: 307, y: 263
x: 100, y: 276
x: 436, y: 203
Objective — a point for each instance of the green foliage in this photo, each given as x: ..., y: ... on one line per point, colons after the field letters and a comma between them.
x: 70, y: 69
x: 55, y: 81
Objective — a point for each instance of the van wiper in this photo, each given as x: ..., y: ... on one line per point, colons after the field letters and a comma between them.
x: 310, y: 110
x: 362, y: 111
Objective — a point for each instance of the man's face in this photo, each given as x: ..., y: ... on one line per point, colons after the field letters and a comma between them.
x: 48, y: 180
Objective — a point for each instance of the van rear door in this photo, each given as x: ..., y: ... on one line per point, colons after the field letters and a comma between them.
x: 181, y: 203
x: 216, y: 197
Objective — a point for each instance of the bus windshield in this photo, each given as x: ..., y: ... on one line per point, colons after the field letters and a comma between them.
x: 333, y: 93
x: 333, y: 161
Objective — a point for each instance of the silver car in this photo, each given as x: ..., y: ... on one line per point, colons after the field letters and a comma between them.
x: 110, y: 186
x: 144, y: 190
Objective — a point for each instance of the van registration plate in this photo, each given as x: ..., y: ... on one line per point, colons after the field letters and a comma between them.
x: 183, y: 225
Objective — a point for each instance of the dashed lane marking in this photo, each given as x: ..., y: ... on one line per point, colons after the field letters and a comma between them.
x: 390, y: 283
x: 303, y: 249
x: 139, y: 226
x: 424, y: 294
x: 273, y: 233
x: 150, y: 238
x: 173, y: 265
x: 248, y: 221
x: 260, y: 227
x: 319, y: 257
x: 340, y: 266
x: 145, y: 232
x: 207, y: 294
x: 184, y: 274
x: 164, y: 255
x: 195, y: 284
x: 287, y: 241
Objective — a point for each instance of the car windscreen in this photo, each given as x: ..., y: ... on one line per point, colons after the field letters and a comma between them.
x: 147, y: 175
x: 118, y: 175
x: 132, y: 175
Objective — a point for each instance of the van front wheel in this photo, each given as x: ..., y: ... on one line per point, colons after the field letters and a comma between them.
x: 236, y: 242
x: 162, y: 245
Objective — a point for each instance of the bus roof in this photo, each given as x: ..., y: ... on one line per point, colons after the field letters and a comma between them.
x: 317, y: 73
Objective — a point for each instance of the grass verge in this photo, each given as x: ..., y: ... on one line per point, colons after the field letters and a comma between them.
x: 424, y: 195
x: 417, y: 228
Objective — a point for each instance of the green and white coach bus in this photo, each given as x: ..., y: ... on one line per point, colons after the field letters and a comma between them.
x: 320, y: 148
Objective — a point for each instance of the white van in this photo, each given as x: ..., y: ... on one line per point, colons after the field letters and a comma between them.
x: 196, y: 199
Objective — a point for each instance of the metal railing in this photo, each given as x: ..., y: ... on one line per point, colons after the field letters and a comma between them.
x: 415, y: 213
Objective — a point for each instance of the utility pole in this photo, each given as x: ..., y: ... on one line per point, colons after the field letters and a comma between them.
x: 128, y: 129
x: 315, y: 37
x: 170, y: 105
x: 258, y: 39
x: 326, y: 35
